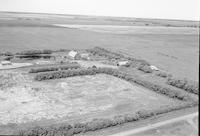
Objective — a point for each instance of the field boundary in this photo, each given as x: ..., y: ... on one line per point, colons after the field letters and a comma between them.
x: 101, y: 123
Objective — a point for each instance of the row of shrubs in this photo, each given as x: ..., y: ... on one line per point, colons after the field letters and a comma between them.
x: 6, y: 54
x: 34, y: 52
x: 55, y: 68
x: 104, y: 52
x: 181, y: 95
x: 162, y: 74
x: 145, y: 68
x: 187, y: 85
x: 96, y: 124
x: 114, y: 55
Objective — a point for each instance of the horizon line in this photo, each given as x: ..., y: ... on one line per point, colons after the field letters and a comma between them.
x: 26, y: 12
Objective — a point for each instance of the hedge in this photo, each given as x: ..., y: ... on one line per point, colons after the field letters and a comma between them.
x: 187, y: 85
x: 145, y: 69
x: 172, y: 93
x: 113, y: 55
x: 96, y: 124
x: 34, y: 52
x: 106, y: 53
x: 7, y: 54
x: 46, y: 69
x: 161, y: 74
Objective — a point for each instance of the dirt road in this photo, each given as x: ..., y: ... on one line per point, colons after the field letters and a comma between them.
x: 188, y: 117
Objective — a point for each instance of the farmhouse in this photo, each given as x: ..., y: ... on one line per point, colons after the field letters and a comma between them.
x: 72, y: 54
x: 4, y: 63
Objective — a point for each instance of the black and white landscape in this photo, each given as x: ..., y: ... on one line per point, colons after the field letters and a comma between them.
x: 89, y: 75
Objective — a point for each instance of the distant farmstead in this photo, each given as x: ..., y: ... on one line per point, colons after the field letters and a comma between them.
x: 72, y: 54
x: 4, y: 63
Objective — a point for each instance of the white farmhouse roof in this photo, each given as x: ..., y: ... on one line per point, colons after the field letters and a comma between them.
x: 72, y: 53
x: 154, y: 68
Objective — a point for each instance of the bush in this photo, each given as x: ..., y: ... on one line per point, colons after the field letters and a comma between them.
x: 162, y: 74
x: 34, y: 52
x: 145, y: 69
x: 46, y: 69
x: 187, y: 85
x: 105, y: 53
x: 8, y: 58
x: 8, y: 54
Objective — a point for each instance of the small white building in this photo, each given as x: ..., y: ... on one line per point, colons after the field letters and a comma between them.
x: 4, y: 63
x: 72, y: 54
x: 85, y: 56
x: 154, y: 68
x: 122, y: 63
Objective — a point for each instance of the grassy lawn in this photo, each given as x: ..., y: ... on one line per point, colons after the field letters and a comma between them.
x: 74, y: 98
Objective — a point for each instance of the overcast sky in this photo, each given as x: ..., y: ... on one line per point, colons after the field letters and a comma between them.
x: 166, y: 9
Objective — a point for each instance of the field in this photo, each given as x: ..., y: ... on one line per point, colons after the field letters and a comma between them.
x: 29, y: 101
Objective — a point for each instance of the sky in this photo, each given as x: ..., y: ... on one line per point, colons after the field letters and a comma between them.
x: 164, y: 9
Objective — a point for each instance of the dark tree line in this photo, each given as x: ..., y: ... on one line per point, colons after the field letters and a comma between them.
x: 187, y: 85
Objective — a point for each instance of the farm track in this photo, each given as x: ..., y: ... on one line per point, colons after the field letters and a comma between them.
x: 188, y: 117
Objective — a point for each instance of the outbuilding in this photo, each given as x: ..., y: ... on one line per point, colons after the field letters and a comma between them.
x: 4, y: 63
x: 123, y: 63
x: 154, y: 68
x: 72, y: 54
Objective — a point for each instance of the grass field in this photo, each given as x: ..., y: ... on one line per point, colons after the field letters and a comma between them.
x: 74, y: 96
x: 173, y: 49
x: 57, y: 101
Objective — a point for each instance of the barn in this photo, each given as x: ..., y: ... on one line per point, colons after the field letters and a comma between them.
x: 72, y: 54
x: 154, y: 68
x: 123, y: 63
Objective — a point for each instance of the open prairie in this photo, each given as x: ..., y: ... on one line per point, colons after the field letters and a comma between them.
x: 171, y: 45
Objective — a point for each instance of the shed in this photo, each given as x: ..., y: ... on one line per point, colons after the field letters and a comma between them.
x: 154, y: 68
x: 72, y: 54
x: 6, y: 63
x: 85, y: 56
x: 122, y: 63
